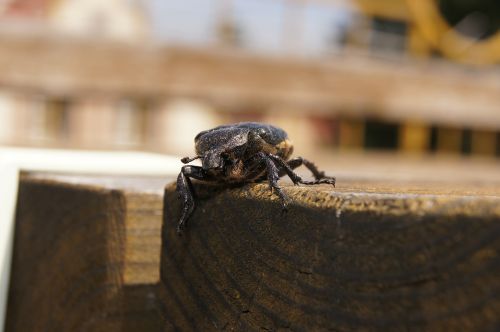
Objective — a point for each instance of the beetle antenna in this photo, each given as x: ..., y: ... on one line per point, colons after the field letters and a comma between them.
x: 186, y: 160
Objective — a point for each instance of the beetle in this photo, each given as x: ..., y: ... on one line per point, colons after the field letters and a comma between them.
x: 242, y: 153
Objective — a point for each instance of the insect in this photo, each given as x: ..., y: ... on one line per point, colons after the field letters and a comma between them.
x: 241, y: 153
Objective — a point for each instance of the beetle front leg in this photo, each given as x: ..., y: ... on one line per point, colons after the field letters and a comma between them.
x: 186, y: 192
x: 299, y: 161
x: 273, y: 177
x: 288, y: 167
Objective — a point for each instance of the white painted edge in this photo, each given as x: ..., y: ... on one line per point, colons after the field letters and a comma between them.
x: 15, y: 160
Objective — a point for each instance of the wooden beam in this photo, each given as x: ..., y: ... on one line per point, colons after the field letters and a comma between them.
x: 86, y: 257
x: 360, y: 86
x: 334, y: 261
x: 370, y: 253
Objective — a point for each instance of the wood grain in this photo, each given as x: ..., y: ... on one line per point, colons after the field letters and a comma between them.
x: 366, y: 256
x: 85, y: 258
x: 336, y: 261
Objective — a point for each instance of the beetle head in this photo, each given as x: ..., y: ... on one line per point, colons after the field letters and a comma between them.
x: 213, y: 161
x: 222, y: 147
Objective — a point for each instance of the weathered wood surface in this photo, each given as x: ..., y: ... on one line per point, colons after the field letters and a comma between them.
x: 86, y: 255
x: 368, y: 255
x: 365, y: 256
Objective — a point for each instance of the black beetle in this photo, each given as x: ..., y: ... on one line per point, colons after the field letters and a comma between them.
x: 240, y: 153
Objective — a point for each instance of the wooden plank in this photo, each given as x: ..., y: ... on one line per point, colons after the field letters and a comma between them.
x: 358, y: 85
x: 85, y: 257
x: 379, y: 254
x: 405, y: 257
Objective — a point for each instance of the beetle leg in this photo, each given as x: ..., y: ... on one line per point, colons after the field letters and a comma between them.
x: 286, y: 169
x: 186, y: 193
x: 296, y: 179
x: 273, y: 177
x: 186, y: 160
x: 299, y: 161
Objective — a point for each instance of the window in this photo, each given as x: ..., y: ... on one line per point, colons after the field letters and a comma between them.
x: 388, y: 35
x: 381, y: 135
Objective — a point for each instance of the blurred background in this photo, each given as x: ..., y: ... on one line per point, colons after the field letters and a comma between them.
x: 388, y: 78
